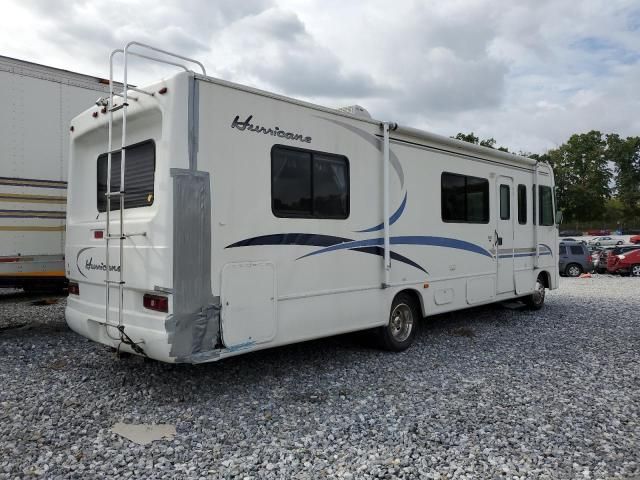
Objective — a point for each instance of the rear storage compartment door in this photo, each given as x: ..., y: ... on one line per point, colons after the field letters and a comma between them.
x: 248, y: 300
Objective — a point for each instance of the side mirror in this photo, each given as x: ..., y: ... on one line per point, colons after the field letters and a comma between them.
x: 559, y: 217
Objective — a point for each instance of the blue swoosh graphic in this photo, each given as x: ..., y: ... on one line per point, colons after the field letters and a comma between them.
x: 408, y: 240
x: 392, y: 219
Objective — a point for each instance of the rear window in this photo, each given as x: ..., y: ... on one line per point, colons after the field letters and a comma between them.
x: 140, y: 167
x: 576, y: 250
x: 563, y: 250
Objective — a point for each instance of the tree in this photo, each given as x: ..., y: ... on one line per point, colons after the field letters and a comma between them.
x: 582, y: 176
x: 625, y: 154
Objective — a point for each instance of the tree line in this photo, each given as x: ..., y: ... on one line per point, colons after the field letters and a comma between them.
x: 597, y: 176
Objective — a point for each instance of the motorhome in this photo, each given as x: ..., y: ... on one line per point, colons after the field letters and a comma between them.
x: 38, y: 102
x: 206, y: 219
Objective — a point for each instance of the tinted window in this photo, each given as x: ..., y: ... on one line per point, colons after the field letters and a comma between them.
x: 309, y: 184
x: 291, y: 182
x: 140, y: 167
x: 546, y: 206
x: 522, y: 204
x: 505, y: 202
x: 576, y: 250
x: 563, y: 250
x: 464, y: 199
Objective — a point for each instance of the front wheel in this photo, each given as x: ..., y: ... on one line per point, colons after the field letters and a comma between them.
x: 620, y: 242
x: 635, y: 270
x: 535, y: 301
x: 398, y: 334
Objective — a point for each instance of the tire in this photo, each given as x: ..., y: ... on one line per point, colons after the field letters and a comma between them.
x: 597, y: 244
x: 620, y: 243
x: 535, y: 301
x: 398, y: 334
x: 573, y: 270
x: 635, y: 270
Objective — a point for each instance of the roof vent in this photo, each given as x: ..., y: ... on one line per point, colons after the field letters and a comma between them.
x: 356, y: 111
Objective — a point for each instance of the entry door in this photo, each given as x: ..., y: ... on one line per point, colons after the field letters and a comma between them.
x: 504, y: 230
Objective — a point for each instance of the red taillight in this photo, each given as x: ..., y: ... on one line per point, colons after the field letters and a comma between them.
x: 98, y: 234
x: 74, y: 288
x: 155, y: 302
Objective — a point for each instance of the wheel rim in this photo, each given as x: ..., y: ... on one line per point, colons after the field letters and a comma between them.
x: 401, y: 323
x: 574, y: 271
x: 538, y: 293
x: 635, y: 270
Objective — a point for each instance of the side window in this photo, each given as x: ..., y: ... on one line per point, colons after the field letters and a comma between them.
x: 309, y: 184
x: 522, y: 204
x: 576, y: 250
x: 546, y: 205
x: 505, y: 202
x: 464, y: 199
x: 562, y: 250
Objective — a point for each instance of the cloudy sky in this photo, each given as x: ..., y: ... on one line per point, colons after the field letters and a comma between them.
x: 527, y: 73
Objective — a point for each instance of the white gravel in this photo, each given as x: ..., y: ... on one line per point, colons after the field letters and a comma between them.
x: 485, y: 393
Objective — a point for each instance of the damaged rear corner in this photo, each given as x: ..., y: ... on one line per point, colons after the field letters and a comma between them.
x: 194, y: 326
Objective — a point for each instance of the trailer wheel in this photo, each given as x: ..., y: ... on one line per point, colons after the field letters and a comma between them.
x: 535, y: 301
x: 398, y: 334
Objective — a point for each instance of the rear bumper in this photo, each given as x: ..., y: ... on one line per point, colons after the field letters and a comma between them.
x: 84, y: 319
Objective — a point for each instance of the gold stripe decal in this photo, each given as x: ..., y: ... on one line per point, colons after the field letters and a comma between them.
x: 31, y: 228
x: 26, y: 198
x: 32, y: 182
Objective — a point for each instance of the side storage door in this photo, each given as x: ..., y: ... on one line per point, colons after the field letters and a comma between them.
x: 505, y: 235
x: 248, y: 298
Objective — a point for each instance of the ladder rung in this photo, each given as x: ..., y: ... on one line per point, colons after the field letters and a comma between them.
x: 129, y: 87
x: 118, y: 107
x: 117, y: 150
x: 115, y: 194
x: 116, y: 237
x: 114, y: 282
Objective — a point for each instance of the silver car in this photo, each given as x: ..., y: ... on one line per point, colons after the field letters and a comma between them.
x: 602, y: 241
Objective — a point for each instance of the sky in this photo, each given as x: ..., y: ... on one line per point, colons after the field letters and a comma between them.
x: 527, y: 73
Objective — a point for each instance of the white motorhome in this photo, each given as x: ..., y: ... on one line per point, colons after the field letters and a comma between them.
x: 38, y: 102
x: 249, y: 220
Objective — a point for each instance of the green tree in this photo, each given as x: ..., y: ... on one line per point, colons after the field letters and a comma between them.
x: 625, y: 155
x: 582, y: 176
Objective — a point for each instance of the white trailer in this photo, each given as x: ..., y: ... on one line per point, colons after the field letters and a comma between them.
x: 249, y: 220
x: 38, y: 103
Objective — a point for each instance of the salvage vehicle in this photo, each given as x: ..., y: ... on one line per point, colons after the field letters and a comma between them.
x: 207, y: 219
x: 626, y: 263
x: 573, y: 259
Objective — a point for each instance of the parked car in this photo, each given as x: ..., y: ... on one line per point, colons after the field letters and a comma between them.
x: 619, y: 250
x: 626, y: 263
x: 570, y: 233
x: 574, y: 258
x: 635, y: 239
x: 599, y: 232
x: 602, y: 241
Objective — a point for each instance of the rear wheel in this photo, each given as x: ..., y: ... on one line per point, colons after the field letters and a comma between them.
x: 573, y: 270
x: 635, y: 270
x: 398, y: 334
x: 535, y: 301
x: 620, y: 242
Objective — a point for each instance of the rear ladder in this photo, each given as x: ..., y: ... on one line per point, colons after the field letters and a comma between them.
x: 121, y: 236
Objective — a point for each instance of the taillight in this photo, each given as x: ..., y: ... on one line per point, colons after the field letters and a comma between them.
x: 98, y: 234
x: 158, y: 303
x: 73, y: 288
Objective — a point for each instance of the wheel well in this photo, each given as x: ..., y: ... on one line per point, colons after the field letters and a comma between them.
x: 546, y: 279
x: 416, y: 298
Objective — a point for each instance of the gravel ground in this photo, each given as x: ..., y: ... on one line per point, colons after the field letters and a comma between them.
x: 485, y: 393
